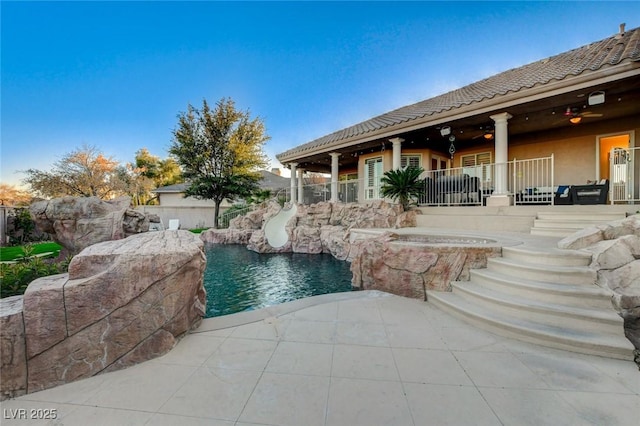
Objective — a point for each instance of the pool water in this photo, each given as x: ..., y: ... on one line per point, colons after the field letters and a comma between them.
x: 237, y: 279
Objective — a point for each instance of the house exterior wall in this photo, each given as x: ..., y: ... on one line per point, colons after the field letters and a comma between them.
x: 190, y: 217
x: 178, y: 200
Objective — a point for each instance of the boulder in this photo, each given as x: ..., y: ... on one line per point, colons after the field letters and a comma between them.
x: 582, y: 239
x: 13, y: 365
x: 306, y: 239
x: 79, y: 222
x: 135, y: 222
x: 122, y: 302
x: 227, y: 236
x: 612, y: 254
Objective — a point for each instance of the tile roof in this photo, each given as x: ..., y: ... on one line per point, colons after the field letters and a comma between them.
x: 611, y: 51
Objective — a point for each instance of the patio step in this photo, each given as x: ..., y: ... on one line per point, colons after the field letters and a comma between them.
x: 547, y: 256
x: 543, y: 312
x: 553, y: 232
x: 563, y: 223
x: 556, y: 336
x: 577, y: 275
x: 541, y: 295
x: 568, y: 294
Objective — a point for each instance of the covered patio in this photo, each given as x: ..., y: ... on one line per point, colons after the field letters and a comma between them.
x: 526, y: 136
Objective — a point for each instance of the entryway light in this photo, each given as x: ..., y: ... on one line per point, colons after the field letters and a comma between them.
x: 445, y: 131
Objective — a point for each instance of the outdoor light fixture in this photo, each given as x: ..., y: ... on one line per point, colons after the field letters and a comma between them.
x: 568, y: 112
x: 575, y: 120
x: 596, y: 98
x: 488, y: 135
x: 445, y: 131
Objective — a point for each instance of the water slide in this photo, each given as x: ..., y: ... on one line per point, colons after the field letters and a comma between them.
x: 274, y: 229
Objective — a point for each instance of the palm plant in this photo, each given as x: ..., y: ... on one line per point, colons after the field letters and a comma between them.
x: 402, y: 185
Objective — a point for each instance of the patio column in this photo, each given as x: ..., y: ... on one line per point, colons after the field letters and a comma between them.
x: 334, y: 176
x: 293, y: 166
x: 300, y: 186
x: 500, y: 196
x: 397, y: 152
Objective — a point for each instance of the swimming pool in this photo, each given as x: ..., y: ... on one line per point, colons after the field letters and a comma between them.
x: 237, y: 279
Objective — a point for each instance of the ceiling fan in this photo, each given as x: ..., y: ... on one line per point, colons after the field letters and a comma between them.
x: 575, y: 116
x: 487, y: 133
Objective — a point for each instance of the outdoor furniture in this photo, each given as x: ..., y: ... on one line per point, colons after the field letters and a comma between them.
x: 563, y: 195
x: 536, y: 195
x: 594, y: 193
x: 448, y: 186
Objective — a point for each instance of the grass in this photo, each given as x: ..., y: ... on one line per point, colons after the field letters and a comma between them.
x: 13, y: 253
x: 198, y: 230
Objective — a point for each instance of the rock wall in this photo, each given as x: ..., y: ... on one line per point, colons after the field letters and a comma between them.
x: 411, y: 268
x: 79, y: 222
x: 121, y: 303
x: 316, y: 228
x: 615, y: 249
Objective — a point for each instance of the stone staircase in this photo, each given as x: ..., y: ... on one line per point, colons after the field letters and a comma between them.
x: 543, y: 296
x: 563, y: 223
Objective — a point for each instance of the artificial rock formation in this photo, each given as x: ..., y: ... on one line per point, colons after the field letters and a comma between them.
x: 615, y: 249
x: 79, y: 222
x: 410, y: 269
x: 121, y: 303
x: 316, y: 228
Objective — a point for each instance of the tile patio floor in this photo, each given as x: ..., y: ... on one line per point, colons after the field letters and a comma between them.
x: 361, y: 358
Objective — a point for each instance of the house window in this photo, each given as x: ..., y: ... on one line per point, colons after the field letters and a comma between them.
x: 348, y: 176
x: 372, y: 176
x: 410, y: 161
x: 477, y: 165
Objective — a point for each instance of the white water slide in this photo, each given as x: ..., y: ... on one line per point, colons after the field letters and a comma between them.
x: 274, y: 229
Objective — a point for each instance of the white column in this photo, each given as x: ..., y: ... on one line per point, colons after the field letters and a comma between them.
x: 300, y: 186
x: 500, y: 196
x: 334, y: 176
x: 397, y: 152
x: 293, y: 166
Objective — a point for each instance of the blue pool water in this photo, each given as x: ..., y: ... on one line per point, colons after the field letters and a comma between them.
x: 237, y: 279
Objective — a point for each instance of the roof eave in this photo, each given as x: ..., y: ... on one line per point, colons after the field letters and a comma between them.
x: 557, y: 87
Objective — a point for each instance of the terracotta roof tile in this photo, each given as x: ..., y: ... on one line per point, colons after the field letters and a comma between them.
x: 608, y: 52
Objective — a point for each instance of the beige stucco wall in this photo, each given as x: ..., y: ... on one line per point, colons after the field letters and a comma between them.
x: 190, y: 217
x: 178, y: 200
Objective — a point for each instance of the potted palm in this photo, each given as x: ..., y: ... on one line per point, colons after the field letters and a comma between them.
x: 402, y: 185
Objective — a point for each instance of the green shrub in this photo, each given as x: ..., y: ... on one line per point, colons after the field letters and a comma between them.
x: 15, y: 277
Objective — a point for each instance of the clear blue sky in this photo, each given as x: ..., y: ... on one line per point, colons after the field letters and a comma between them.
x: 116, y: 74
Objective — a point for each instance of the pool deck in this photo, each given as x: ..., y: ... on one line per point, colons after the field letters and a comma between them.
x: 359, y: 358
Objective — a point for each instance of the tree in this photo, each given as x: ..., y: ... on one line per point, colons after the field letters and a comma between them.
x: 84, y: 172
x: 402, y: 185
x: 162, y: 172
x: 10, y: 195
x: 220, y: 151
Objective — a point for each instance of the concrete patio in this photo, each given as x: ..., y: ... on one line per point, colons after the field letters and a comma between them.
x: 360, y: 358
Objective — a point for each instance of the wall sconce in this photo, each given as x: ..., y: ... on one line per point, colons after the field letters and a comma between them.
x: 445, y: 131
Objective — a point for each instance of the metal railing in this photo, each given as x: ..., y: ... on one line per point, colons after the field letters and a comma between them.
x: 624, y: 173
x: 225, y: 218
x: 532, y: 181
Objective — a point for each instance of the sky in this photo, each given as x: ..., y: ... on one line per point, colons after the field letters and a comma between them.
x: 115, y: 75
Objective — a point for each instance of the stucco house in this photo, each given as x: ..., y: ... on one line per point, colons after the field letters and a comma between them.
x: 194, y: 213
x: 537, y: 134
x: 173, y: 195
